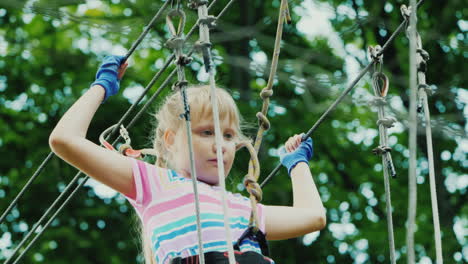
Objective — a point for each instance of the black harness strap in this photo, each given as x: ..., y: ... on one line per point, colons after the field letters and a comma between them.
x: 249, y: 257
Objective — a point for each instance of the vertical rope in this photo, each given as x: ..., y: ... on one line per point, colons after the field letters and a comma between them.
x: 176, y: 42
x: 380, y: 86
x: 204, y: 45
x: 421, y: 58
x: 412, y: 186
x: 267, y: 92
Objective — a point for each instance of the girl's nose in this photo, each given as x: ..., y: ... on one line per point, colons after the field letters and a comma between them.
x: 223, y: 146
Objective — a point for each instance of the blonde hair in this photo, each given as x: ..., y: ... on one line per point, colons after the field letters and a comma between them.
x: 168, y: 117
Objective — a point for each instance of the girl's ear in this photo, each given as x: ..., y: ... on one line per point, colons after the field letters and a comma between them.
x: 169, y: 138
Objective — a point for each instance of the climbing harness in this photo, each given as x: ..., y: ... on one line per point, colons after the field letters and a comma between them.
x: 248, y: 257
x: 380, y: 84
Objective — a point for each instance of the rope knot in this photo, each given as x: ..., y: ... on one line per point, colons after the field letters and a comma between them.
x: 387, y: 122
x: 253, y: 187
x: 378, y: 101
x: 263, y: 121
x: 194, y: 4
x: 380, y: 150
x: 405, y: 11
x: 209, y: 21
x: 201, y: 45
x: 424, y: 54
x: 428, y: 89
x: 265, y: 93
x: 376, y: 53
x: 175, y: 43
x: 183, y: 60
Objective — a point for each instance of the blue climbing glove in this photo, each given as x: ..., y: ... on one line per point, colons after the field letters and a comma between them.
x: 107, y: 75
x: 302, y: 154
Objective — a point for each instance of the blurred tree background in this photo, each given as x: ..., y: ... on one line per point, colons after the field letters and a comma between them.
x: 49, y: 53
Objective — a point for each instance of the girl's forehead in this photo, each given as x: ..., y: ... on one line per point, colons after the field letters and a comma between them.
x: 207, y: 120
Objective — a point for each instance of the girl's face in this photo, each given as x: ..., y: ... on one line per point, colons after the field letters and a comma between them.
x: 204, y: 147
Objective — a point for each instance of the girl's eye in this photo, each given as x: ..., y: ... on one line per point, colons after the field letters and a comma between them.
x: 207, y: 133
x: 229, y: 136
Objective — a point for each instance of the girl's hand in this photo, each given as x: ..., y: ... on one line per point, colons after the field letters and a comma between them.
x: 109, y: 74
x: 296, y: 151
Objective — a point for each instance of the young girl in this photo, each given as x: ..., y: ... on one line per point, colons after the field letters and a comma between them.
x: 162, y: 194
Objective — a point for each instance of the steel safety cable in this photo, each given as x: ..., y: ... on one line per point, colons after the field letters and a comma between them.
x: 424, y: 90
x: 380, y: 85
x: 131, y: 123
x: 176, y: 42
x: 51, y: 154
x: 342, y: 96
x: 204, y: 45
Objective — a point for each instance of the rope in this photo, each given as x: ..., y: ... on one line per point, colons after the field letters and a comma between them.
x: 341, y: 97
x: 412, y: 186
x: 176, y: 42
x: 51, y: 154
x: 380, y: 86
x: 424, y: 90
x: 267, y: 92
x: 130, y: 124
x: 204, y: 45
x: 251, y: 184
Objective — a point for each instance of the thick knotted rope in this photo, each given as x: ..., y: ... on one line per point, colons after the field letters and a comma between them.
x: 251, y: 184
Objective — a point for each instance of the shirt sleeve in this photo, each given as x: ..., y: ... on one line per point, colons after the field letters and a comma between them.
x: 261, y: 217
x: 144, y: 177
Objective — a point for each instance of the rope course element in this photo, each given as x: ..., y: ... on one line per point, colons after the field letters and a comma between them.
x: 250, y: 180
x: 267, y: 92
x: 176, y: 42
x: 51, y: 154
x: 343, y: 95
x: 424, y: 91
x: 129, y: 125
x: 380, y: 86
x: 204, y: 46
x: 410, y: 13
x: 419, y: 68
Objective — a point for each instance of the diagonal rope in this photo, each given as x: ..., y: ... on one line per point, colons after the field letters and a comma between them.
x: 342, y: 96
x: 51, y: 154
x: 131, y: 123
x: 204, y: 45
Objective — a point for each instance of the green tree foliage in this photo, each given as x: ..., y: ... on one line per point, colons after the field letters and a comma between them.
x: 49, y: 52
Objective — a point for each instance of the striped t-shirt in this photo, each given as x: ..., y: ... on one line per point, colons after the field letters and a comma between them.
x: 165, y: 203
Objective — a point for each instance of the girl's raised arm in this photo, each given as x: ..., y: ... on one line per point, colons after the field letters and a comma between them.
x: 68, y: 139
x: 307, y: 213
